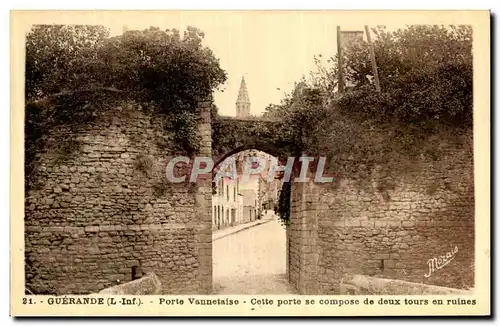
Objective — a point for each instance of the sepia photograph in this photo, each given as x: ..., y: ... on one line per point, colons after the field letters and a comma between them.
x: 213, y: 154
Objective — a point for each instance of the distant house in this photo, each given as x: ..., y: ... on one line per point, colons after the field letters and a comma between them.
x: 226, y: 204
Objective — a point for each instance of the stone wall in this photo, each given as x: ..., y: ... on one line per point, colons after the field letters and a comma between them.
x: 107, y: 208
x: 393, y: 227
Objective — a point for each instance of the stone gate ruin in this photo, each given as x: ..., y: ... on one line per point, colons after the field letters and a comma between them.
x: 105, y: 210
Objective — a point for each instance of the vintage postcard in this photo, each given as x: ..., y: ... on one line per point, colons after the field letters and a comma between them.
x: 250, y: 163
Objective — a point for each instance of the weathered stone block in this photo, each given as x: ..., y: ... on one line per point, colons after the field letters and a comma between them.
x: 147, y: 285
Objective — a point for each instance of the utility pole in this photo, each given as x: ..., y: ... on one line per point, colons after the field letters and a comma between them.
x: 340, y: 63
x: 372, y: 58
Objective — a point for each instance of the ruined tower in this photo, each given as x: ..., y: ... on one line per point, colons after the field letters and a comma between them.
x: 243, y: 101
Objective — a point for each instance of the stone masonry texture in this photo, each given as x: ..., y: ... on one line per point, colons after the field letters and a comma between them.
x: 393, y: 233
x: 108, y: 208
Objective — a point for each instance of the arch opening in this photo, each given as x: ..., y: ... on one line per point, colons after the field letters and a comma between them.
x: 255, y: 146
x: 250, y: 248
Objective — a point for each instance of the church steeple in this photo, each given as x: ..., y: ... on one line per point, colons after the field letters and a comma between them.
x: 243, y: 101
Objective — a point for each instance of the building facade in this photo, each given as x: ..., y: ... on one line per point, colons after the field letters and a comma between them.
x: 269, y: 189
x: 249, y: 210
x: 227, y: 203
x: 269, y: 193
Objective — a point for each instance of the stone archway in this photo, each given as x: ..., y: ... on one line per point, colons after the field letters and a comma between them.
x: 259, y: 134
x: 333, y: 232
x: 327, y: 221
x: 257, y: 145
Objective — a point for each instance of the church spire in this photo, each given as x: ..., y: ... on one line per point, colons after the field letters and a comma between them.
x: 243, y: 100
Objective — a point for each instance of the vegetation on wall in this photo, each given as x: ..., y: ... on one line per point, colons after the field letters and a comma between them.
x: 426, y: 82
x: 161, y: 68
x: 426, y: 97
x: 283, y: 208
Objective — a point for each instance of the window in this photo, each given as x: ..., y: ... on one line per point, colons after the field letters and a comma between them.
x: 234, y: 194
x: 227, y: 192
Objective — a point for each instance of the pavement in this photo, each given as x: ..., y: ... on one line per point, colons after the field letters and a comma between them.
x: 218, y: 234
x: 251, y: 259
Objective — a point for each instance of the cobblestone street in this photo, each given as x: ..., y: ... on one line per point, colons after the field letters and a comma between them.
x: 252, y: 261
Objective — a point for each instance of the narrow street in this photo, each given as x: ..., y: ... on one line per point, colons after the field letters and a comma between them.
x: 252, y: 261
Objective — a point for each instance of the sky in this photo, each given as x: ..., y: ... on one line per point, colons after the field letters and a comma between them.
x: 272, y: 50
